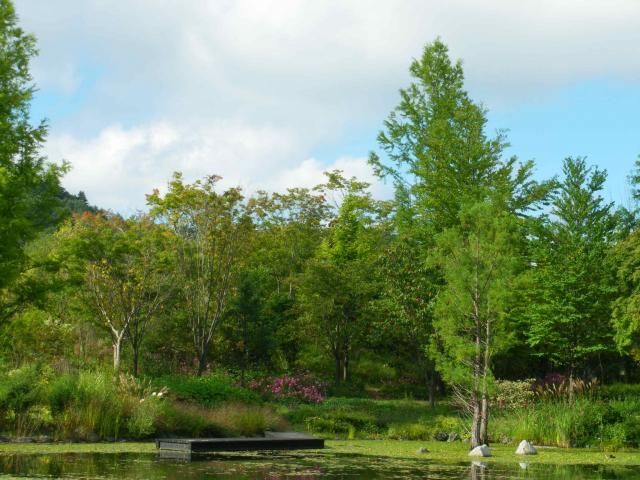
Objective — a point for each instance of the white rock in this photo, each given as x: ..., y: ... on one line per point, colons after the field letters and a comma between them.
x: 481, y: 451
x: 525, y: 448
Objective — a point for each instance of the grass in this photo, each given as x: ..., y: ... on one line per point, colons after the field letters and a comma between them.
x: 98, y: 405
x: 358, y: 418
x: 393, y: 449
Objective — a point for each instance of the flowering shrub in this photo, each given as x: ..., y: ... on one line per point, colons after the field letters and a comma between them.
x: 291, y: 387
x: 514, y: 394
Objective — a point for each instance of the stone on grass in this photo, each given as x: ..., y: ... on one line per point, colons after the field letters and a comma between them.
x: 422, y: 450
x: 525, y: 448
x: 453, y: 437
x: 480, y: 451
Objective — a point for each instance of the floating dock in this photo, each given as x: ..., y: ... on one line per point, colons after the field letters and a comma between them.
x: 270, y: 441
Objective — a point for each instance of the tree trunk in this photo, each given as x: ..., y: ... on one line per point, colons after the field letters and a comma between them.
x: 202, y: 361
x: 571, y: 384
x: 484, y: 419
x: 245, y: 351
x: 484, y: 422
x: 345, y: 367
x: 117, y: 346
x: 338, y: 365
x: 136, y: 350
x: 475, y: 425
x: 476, y: 437
x: 432, y: 388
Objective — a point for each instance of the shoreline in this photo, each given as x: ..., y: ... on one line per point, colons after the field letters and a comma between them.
x: 393, y: 449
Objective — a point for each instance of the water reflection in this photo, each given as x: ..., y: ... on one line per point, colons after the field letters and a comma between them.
x: 293, y: 466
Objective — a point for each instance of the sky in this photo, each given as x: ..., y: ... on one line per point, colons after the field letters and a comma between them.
x: 271, y: 93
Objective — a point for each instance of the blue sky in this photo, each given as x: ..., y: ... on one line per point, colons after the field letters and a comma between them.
x: 269, y: 93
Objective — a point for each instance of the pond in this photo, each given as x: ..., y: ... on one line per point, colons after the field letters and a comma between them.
x: 284, y: 466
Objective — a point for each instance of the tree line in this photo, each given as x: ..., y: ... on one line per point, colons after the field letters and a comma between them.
x: 472, y: 271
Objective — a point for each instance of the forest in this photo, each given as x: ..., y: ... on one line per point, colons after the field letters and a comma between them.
x: 476, y: 288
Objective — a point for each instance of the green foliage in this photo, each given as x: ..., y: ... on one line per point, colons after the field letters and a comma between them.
x: 364, y: 418
x: 619, y: 391
x: 96, y: 405
x: 144, y: 419
x: 511, y: 394
x: 626, y: 307
x: 212, y: 232
x: 123, y: 267
x: 571, y: 286
x: 582, y: 423
x: 479, y: 264
x: 209, y: 390
x: 337, y: 285
x: 28, y: 185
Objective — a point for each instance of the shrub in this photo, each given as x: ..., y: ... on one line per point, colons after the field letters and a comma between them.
x: 142, y: 422
x: 222, y: 421
x: 20, y: 389
x: 410, y: 431
x: 302, y: 388
x: 96, y: 410
x: 210, y: 390
x: 187, y: 420
x: 579, y: 424
x: 619, y: 391
x: 20, y: 392
x: 246, y: 420
x: 60, y: 393
x: 513, y: 394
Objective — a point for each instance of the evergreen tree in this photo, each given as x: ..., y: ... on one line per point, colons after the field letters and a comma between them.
x: 445, y: 167
x: 28, y: 185
x: 571, y: 284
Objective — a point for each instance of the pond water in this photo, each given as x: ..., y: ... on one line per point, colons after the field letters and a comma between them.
x: 283, y: 466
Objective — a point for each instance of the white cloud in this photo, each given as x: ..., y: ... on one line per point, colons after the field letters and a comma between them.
x: 244, y: 84
x: 310, y: 173
x: 119, y: 166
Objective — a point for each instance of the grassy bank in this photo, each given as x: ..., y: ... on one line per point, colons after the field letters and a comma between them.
x: 392, y: 449
x: 596, y: 423
x: 99, y: 406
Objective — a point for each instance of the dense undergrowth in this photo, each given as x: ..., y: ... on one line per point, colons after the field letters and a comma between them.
x: 97, y: 405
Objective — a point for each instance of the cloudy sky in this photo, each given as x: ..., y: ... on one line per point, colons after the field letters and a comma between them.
x: 270, y: 93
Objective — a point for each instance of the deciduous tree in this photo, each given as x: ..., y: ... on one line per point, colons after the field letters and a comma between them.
x: 212, y: 230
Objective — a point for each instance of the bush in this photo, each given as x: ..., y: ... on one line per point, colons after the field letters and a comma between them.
x: 20, y: 395
x: 297, y: 388
x: 96, y: 405
x: 619, y: 391
x: 20, y: 389
x: 60, y: 392
x: 210, y: 390
x: 224, y: 421
x: 96, y: 410
x: 411, y: 431
x: 513, y: 394
x: 142, y: 423
x: 375, y: 418
x: 579, y: 424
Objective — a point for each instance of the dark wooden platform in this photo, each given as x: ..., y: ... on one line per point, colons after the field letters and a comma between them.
x: 270, y: 441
